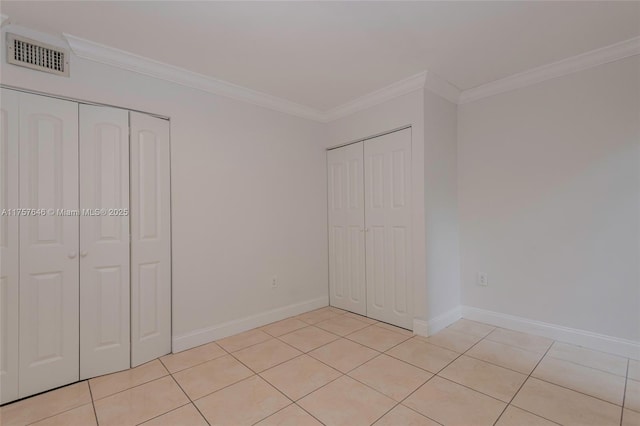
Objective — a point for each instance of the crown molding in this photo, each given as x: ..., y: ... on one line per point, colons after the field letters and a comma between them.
x: 566, y: 66
x: 376, y: 97
x: 424, y: 80
x: 121, y: 59
x: 441, y: 87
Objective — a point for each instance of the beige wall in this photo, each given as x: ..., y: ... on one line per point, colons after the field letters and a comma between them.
x: 549, y: 200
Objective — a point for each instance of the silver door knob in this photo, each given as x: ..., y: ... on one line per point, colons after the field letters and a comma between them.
x: 72, y: 254
x: 83, y: 253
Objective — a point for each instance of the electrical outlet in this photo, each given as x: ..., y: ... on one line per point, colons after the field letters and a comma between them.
x: 483, y: 279
x: 274, y: 282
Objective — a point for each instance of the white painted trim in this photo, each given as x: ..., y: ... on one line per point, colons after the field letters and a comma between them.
x: 587, y: 339
x: 425, y: 80
x: 442, y: 87
x: 209, y: 334
x: 428, y: 328
x: 96, y: 52
x: 379, y: 96
x: 566, y: 66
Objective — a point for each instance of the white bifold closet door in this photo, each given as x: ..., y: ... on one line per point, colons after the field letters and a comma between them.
x: 150, y: 238
x: 347, y: 288
x: 9, y: 264
x: 104, y: 241
x: 387, y: 182
x: 49, y: 261
x: 369, y: 197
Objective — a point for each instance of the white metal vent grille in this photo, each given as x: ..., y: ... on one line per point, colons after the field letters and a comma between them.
x: 36, y: 55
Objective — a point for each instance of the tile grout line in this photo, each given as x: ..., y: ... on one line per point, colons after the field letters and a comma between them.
x: 133, y: 387
x: 379, y: 353
x: 185, y: 394
x: 61, y: 412
x: 191, y: 402
x: 624, y: 395
x: 427, y: 381
x: 586, y: 366
x: 522, y: 385
x: 93, y: 403
x: 170, y: 411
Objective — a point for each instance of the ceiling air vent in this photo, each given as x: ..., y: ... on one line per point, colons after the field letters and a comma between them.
x: 39, y: 56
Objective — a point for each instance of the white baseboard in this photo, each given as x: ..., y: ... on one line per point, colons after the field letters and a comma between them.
x: 427, y: 328
x: 209, y: 334
x: 587, y: 339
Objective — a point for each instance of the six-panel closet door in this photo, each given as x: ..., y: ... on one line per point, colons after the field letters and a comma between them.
x: 104, y: 241
x: 387, y: 182
x: 49, y: 268
x: 347, y: 287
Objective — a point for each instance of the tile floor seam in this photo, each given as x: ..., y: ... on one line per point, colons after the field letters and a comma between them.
x: 303, y: 409
x: 522, y: 385
x: 272, y: 414
x: 468, y: 334
x: 427, y: 381
x: 424, y: 339
x: 222, y: 388
x: 137, y: 386
x: 133, y: 387
x: 170, y: 411
x: 585, y: 366
x: 422, y: 368
x: 582, y: 347
x: 386, y: 412
x: 414, y: 391
x: 305, y: 353
x: 577, y: 391
x: 372, y: 325
x: 292, y: 331
x: 190, y: 400
x: 194, y: 365
x: 235, y: 383
x: 396, y: 332
x: 272, y: 366
x: 245, y: 347
x: 515, y: 346
x: 624, y: 395
x: 308, y: 393
x: 371, y: 387
x: 93, y: 403
x: 61, y: 412
x: 469, y: 387
x: 282, y: 393
x: 495, y: 364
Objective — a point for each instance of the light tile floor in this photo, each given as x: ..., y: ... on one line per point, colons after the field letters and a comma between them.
x: 336, y: 368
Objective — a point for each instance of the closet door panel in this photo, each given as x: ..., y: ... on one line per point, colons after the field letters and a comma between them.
x: 347, y: 288
x: 9, y: 131
x: 150, y: 238
x: 49, y: 269
x: 104, y: 241
x: 388, y: 220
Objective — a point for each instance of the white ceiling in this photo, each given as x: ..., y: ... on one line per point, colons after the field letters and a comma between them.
x: 323, y: 54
